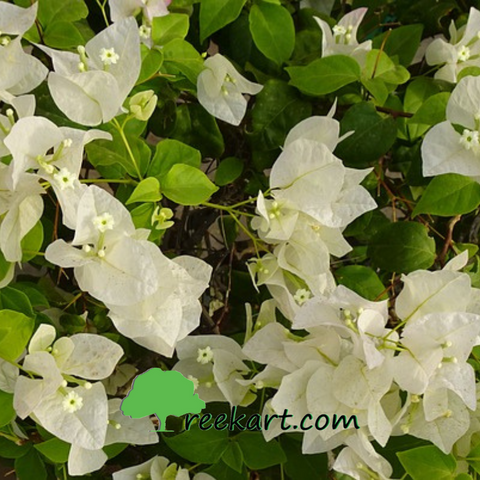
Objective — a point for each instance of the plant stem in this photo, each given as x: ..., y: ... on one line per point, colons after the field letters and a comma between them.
x: 104, y: 14
x: 129, y: 181
x: 127, y: 146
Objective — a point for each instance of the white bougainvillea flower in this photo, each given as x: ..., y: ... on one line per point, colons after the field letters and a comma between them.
x: 23, y: 106
x: 445, y: 430
x: 158, y: 468
x: 429, y: 292
x: 221, y: 89
x: 453, y: 146
x: 19, y: 72
x: 91, y: 86
x: 173, y: 311
x: 112, y: 265
x: 215, y: 363
x: 342, y: 39
x: 76, y: 415
x: 29, y: 141
x: 323, y: 129
x: 360, y: 461
x: 313, y: 180
x: 461, y: 52
x: 120, y: 9
x: 21, y: 208
x: 120, y: 429
x: 432, y: 341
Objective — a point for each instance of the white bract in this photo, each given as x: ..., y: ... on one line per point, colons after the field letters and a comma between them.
x: 21, y: 207
x: 109, y: 260
x: 221, y: 89
x: 158, y: 468
x: 453, y: 146
x: 171, y: 312
x: 19, y: 72
x: 462, y: 51
x: 342, y: 38
x: 90, y: 86
x: 120, y: 9
x: 120, y: 429
x: 215, y: 364
x: 32, y: 138
x: 314, y: 181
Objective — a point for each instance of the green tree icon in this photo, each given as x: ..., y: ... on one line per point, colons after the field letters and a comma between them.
x: 161, y: 393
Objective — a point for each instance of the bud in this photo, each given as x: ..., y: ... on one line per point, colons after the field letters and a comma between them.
x: 143, y: 104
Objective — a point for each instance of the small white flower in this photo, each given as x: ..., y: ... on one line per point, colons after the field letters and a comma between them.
x: 65, y: 178
x: 205, y: 355
x: 470, y: 140
x: 104, y: 222
x: 339, y: 30
x: 72, y: 402
x: 108, y: 56
x: 464, y: 53
x: 301, y: 296
x: 144, y: 31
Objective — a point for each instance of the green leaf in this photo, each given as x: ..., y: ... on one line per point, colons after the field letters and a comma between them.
x: 215, y: 14
x: 362, y: 280
x: 403, y: 41
x: 377, y: 87
x: 13, y: 299
x: 373, y: 135
x: 197, y: 128
x: 63, y: 35
x: 7, y: 412
x: 379, y: 65
x: 50, y: 11
x: 221, y: 471
x: 233, y: 457
x: 402, y: 247
x: 187, y: 185
x: 142, y: 215
x: 181, y: 57
x: 152, y: 61
x: 15, y: 332
x: 169, y: 27
x: 30, y: 467
x: 148, y: 190
x: 258, y: 453
x: 72, y: 323
x: 278, y: 108
x: 449, y: 195
x: 473, y: 457
x: 199, y: 446
x: 273, y: 31
x: 300, y: 466
x: 428, y: 462
x: 469, y: 71
x: 433, y: 111
x: 170, y: 152
x: 9, y: 449
x: 55, y: 450
x: 325, y: 75
x: 228, y: 171
x: 32, y: 242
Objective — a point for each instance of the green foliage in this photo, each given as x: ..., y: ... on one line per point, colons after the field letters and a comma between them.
x: 187, y: 185
x: 199, y: 446
x: 428, y: 462
x: 325, y: 75
x: 148, y: 190
x: 449, y: 195
x: 373, y: 135
x: 215, y: 14
x: 15, y: 332
x: 228, y: 171
x: 402, y: 247
x: 272, y: 30
x: 362, y: 280
x: 169, y: 27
